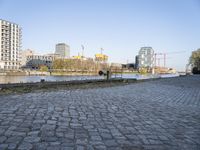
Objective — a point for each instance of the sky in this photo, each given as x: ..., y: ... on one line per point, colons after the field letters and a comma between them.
x: 120, y: 27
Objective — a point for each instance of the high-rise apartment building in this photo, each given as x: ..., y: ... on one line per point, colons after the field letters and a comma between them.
x: 10, y: 45
x: 146, y: 57
x: 63, y: 50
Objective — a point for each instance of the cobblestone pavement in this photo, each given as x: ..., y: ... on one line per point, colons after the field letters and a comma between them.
x: 162, y: 114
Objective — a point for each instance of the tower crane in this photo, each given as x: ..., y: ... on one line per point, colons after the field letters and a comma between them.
x: 165, y: 55
x: 102, y: 50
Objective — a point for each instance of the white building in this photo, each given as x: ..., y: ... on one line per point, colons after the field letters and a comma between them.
x: 63, y: 50
x: 10, y: 45
x: 146, y: 57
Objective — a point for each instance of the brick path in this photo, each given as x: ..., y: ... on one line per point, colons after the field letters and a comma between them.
x: 162, y: 114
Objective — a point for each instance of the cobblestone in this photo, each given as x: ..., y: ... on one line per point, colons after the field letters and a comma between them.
x: 160, y: 114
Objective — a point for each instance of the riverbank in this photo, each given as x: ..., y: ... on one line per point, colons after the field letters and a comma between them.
x: 68, y: 85
x: 34, y: 79
x: 51, y: 86
x: 41, y: 73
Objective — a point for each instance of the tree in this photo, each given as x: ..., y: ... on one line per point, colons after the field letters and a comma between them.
x: 195, y: 60
x: 44, y: 68
x: 58, y: 64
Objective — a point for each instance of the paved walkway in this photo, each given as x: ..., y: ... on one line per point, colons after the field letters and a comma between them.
x: 162, y: 115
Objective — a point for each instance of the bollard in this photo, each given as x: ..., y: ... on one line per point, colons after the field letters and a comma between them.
x: 105, y: 73
x: 42, y: 80
x: 108, y: 75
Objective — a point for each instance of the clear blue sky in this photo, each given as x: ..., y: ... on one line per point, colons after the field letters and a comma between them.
x: 121, y: 27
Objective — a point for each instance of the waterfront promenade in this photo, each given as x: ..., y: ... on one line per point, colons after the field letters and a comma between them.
x: 155, y: 115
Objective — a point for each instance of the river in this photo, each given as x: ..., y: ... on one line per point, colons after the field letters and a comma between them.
x: 25, y: 79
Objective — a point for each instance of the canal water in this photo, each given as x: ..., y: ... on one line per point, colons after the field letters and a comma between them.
x: 147, y: 76
x: 26, y: 79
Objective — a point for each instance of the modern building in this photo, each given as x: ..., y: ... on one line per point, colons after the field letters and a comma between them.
x: 53, y: 55
x: 24, y: 55
x: 10, y: 45
x: 146, y: 57
x: 30, y: 60
x: 63, y: 50
x: 36, y: 61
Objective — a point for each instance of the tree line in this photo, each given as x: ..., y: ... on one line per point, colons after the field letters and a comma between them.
x: 77, y: 65
x: 195, y: 61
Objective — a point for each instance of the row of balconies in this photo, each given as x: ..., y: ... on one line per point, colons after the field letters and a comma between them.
x: 12, y: 39
x: 7, y: 44
x: 8, y: 34
x: 4, y: 47
x: 5, y: 27
x: 5, y: 35
x: 14, y: 64
x: 10, y: 43
x: 9, y: 54
x: 3, y: 54
x: 9, y: 59
x: 11, y: 29
x: 4, y: 38
x: 9, y: 25
x: 5, y: 31
x: 11, y: 67
x: 7, y: 51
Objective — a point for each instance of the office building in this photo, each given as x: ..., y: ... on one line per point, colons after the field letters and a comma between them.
x: 24, y: 55
x: 31, y: 60
x: 36, y: 61
x: 10, y: 45
x: 146, y: 57
x: 63, y: 50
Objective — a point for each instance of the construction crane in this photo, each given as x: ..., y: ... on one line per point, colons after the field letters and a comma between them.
x: 158, y: 60
x: 82, y: 51
x: 169, y: 53
x: 165, y: 55
x: 102, y: 50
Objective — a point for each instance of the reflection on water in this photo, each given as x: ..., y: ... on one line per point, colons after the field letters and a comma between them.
x: 25, y: 79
